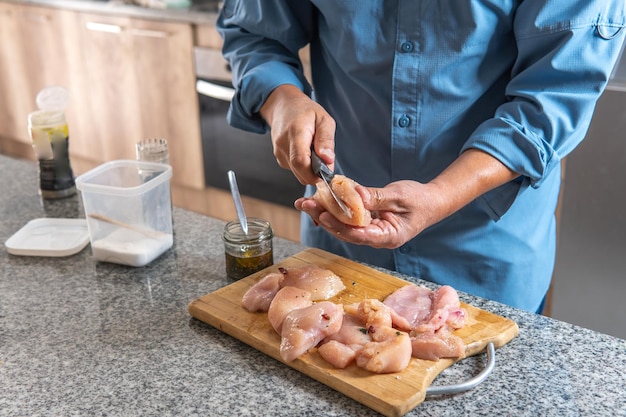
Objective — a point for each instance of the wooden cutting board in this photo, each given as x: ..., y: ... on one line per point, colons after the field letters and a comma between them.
x: 390, y: 394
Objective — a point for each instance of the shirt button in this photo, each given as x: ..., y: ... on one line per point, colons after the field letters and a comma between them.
x: 407, y: 46
x: 404, y: 121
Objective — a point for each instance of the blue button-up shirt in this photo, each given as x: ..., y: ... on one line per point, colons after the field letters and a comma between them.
x: 413, y: 83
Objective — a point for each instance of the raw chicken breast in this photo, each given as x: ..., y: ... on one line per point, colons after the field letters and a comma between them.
x: 367, y: 337
x: 338, y: 354
x: 374, y: 312
x: 340, y: 349
x: 344, y: 189
x: 321, y: 283
x: 432, y: 316
x: 305, y: 327
x: 427, y: 310
x: 437, y: 345
x: 412, y: 302
x: 390, y: 351
x: 353, y: 331
x: 286, y: 300
x: 446, y: 311
x: 260, y: 295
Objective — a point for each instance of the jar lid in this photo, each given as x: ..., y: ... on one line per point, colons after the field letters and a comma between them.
x: 54, y: 98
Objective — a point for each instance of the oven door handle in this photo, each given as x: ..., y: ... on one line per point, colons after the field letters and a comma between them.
x: 215, y: 91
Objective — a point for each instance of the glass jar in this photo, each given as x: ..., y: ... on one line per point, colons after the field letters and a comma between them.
x: 247, y: 253
x: 152, y: 150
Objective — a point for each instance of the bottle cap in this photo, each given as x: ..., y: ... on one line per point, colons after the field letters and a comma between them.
x: 54, y: 98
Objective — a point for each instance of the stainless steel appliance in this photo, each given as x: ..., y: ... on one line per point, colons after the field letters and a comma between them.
x: 225, y: 148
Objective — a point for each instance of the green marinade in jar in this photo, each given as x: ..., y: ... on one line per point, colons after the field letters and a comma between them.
x: 248, y: 253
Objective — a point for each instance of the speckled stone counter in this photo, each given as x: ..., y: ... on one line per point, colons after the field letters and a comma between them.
x: 82, y: 338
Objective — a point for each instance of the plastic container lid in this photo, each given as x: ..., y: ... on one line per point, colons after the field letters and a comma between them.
x: 54, y: 98
x: 49, y: 237
x: 120, y: 178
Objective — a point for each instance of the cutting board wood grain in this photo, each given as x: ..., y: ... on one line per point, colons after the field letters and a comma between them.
x: 390, y: 394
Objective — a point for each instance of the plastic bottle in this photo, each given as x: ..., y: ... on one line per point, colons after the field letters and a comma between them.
x: 49, y: 134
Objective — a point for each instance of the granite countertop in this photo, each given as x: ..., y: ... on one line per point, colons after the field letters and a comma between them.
x: 199, y: 12
x: 83, y: 338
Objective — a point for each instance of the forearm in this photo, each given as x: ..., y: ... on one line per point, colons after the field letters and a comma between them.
x: 281, y: 96
x: 473, y: 173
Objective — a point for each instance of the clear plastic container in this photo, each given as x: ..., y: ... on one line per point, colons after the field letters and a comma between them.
x: 129, y: 216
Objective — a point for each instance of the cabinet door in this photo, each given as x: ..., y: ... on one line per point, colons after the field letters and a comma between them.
x: 140, y: 77
x: 33, y: 55
x: 165, y: 82
x: 113, y: 105
x: 8, y: 55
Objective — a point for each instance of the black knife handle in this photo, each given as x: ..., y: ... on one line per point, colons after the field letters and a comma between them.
x: 320, y: 168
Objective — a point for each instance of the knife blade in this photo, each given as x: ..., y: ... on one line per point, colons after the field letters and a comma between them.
x: 321, y: 170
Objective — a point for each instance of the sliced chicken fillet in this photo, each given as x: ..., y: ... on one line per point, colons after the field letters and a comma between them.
x: 345, y: 189
x: 305, y: 327
x: 390, y: 351
x: 286, y: 300
x: 260, y: 295
x: 434, y: 346
x: 320, y: 282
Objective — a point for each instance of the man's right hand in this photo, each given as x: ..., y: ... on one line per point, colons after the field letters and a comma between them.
x: 297, y: 123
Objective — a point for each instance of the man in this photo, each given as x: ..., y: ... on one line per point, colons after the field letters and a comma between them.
x: 453, y: 114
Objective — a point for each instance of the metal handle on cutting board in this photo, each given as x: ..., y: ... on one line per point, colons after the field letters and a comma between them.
x: 470, y: 383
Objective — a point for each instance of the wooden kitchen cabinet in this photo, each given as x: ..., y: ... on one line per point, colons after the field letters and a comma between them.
x: 140, y: 81
x: 8, y: 46
x: 35, y: 52
x: 129, y: 79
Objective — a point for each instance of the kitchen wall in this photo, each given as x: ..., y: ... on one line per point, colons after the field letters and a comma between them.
x: 590, y: 275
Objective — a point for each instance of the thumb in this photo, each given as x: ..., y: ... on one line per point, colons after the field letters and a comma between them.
x: 373, y: 198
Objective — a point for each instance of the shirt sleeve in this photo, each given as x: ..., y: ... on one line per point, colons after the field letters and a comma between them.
x: 566, y: 53
x: 261, y: 43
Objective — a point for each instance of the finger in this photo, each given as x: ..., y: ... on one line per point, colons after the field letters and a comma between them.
x: 377, y: 235
x: 324, y: 139
x: 310, y: 207
x: 373, y: 198
x: 301, y: 162
x: 284, y: 161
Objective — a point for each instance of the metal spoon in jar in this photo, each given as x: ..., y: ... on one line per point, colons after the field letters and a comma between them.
x: 241, y: 214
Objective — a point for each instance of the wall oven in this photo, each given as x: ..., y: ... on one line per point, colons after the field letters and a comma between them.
x: 225, y: 148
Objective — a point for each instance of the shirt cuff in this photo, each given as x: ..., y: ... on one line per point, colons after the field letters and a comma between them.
x: 498, y: 201
x: 521, y: 151
x: 516, y: 147
x: 254, y: 89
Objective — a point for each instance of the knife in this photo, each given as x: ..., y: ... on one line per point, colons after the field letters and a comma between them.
x: 321, y: 170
